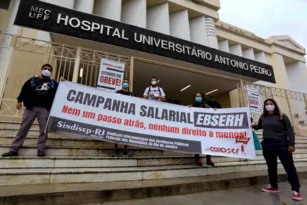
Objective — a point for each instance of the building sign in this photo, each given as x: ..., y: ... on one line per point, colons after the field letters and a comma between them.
x: 254, y: 100
x: 111, y: 74
x: 52, y: 18
x: 116, y: 118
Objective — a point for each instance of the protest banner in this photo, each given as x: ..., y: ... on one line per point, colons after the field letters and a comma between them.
x: 111, y: 75
x: 135, y: 121
x: 254, y: 100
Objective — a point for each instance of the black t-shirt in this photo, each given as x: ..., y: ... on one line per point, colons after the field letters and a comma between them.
x: 38, y: 92
x: 124, y: 93
x: 214, y: 104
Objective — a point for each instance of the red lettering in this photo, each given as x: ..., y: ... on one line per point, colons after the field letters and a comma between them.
x: 110, y: 80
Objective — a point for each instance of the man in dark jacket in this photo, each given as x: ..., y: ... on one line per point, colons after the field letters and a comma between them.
x: 37, y: 95
x: 213, y: 103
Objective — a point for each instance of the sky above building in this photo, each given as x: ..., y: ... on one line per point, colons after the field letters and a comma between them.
x: 266, y: 18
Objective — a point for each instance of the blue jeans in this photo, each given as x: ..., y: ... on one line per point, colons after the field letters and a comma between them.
x: 286, y: 158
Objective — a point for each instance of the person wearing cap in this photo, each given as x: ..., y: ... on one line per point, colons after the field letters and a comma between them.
x: 154, y: 92
x: 37, y: 95
x: 123, y: 91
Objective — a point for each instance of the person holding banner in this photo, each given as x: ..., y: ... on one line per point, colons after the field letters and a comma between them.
x: 37, y: 95
x: 199, y: 101
x: 278, y: 141
x: 154, y: 92
x: 123, y: 91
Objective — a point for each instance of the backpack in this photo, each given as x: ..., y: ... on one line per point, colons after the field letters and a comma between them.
x: 35, y: 78
x: 159, y: 89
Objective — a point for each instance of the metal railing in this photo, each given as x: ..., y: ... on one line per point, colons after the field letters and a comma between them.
x: 8, y: 108
x: 28, y: 55
x: 292, y: 103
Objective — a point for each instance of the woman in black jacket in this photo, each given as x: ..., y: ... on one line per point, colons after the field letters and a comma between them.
x: 199, y: 101
x: 278, y: 141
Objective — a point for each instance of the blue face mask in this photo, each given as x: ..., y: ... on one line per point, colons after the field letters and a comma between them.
x: 199, y: 99
x: 125, y: 85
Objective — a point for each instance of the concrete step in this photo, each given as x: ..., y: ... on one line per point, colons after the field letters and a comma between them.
x: 111, y: 174
x: 104, y: 152
x: 100, y: 162
x: 58, y: 142
x: 100, y: 193
x: 88, y: 151
x: 15, y: 126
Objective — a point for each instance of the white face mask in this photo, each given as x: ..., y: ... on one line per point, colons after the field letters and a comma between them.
x: 270, y: 108
x: 46, y: 73
x: 154, y: 82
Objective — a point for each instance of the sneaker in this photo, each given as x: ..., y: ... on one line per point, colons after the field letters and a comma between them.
x: 210, y: 163
x: 41, y: 154
x: 198, y: 163
x: 126, y: 154
x: 297, y: 196
x: 270, y: 189
x: 10, y: 154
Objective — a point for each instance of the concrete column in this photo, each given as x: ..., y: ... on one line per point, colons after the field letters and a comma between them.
x: 84, y: 6
x: 224, y: 46
x: 11, y: 28
x: 158, y: 18
x: 76, y: 66
x: 179, y: 25
x: 211, y: 33
x: 198, y: 31
x: 108, y: 9
x: 249, y: 53
x: 63, y: 3
x: 280, y: 71
x: 260, y: 56
x: 130, y: 9
x: 6, y: 49
x: 234, y: 98
x: 297, y: 75
x: 236, y: 50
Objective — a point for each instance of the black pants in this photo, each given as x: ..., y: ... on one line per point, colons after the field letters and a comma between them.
x: 286, y: 158
x: 208, y: 157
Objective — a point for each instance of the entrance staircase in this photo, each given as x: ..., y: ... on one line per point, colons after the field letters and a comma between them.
x: 80, y: 169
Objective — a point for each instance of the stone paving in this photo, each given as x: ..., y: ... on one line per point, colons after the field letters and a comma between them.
x: 240, y: 196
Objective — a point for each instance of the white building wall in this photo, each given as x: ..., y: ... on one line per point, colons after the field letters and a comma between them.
x: 198, y: 31
x: 84, y: 6
x: 179, y: 25
x: 236, y: 50
x: 224, y: 46
x: 211, y: 33
x: 130, y: 9
x: 158, y: 18
x: 297, y: 74
x: 280, y: 71
x: 249, y: 53
x: 108, y: 9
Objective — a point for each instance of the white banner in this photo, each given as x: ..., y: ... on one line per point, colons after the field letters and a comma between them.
x: 254, y: 100
x: 111, y: 75
x: 134, y: 121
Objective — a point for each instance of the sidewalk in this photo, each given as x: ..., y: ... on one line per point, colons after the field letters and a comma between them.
x: 240, y: 196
